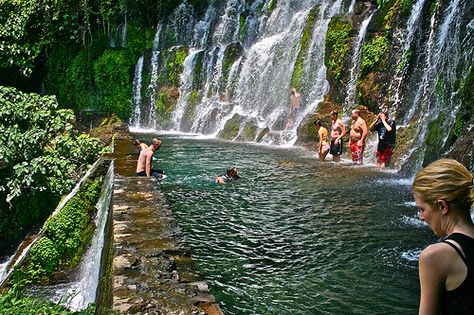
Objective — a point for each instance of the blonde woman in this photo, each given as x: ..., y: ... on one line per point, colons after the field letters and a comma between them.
x: 443, y: 193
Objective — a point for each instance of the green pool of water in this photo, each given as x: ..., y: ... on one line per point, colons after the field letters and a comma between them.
x: 294, y: 236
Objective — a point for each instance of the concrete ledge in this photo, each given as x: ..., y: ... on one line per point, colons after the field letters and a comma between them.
x: 152, y: 267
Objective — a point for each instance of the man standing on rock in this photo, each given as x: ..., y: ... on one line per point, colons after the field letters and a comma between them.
x: 337, y: 132
x: 145, y: 159
x: 357, y: 137
x: 295, y: 103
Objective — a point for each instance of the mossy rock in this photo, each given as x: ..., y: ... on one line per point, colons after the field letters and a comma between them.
x: 166, y: 100
x: 463, y: 148
x: 198, y: 74
x: 231, y: 128
x: 298, y: 70
x: 339, y: 39
x: 372, y: 91
x: 249, y: 132
x: 232, y: 52
x: 264, y: 132
x: 190, y: 111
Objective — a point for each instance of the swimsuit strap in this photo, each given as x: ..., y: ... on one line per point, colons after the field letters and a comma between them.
x: 461, y: 254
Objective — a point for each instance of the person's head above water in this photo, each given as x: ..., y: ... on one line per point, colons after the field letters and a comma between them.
x: 232, y: 172
x: 156, y: 144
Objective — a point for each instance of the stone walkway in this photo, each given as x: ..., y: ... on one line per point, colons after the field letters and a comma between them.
x: 152, y: 267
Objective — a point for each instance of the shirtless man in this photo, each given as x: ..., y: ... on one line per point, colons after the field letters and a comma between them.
x: 357, y: 137
x: 295, y: 103
x: 337, y: 132
x: 323, y: 147
x: 145, y: 160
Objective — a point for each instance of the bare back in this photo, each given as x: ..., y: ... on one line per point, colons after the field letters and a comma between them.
x: 144, y: 160
x: 323, y: 135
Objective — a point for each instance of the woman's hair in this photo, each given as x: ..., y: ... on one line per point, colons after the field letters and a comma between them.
x: 448, y: 180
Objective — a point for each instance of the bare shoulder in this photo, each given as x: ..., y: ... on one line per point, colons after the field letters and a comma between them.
x: 436, y: 256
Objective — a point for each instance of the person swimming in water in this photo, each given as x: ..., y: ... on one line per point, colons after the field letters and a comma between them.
x: 230, y: 175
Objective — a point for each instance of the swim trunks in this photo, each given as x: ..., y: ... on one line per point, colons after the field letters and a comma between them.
x: 159, y: 174
x: 357, y: 152
x: 384, y: 156
x: 336, y: 148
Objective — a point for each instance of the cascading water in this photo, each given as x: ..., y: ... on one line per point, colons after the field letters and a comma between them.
x: 81, y: 293
x: 242, y: 59
x: 355, y: 67
x: 407, y: 37
x: 137, y: 94
x: 435, y: 104
x: 255, y: 85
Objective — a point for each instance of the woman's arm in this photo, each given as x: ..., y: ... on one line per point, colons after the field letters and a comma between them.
x: 432, y: 279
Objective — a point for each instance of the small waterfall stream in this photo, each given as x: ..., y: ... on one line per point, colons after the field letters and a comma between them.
x: 356, y: 57
x: 79, y: 294
x: 137, y: 94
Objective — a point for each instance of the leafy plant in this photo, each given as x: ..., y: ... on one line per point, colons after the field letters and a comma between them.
x: 41, y: 157
x: 373, y: 53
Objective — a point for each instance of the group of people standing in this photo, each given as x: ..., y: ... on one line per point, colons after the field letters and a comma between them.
x: 385, y: 127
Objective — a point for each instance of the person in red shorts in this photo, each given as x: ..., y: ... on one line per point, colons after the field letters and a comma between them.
x: 357, y: 137
x: 387, y: 130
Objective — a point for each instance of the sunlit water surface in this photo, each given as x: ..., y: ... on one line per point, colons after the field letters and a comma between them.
x: 294, y: 236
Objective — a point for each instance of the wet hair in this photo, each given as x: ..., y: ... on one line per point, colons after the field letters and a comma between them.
x: 446, y: 179
x: 231, y: 171
x: 334, y: 113
x: 356, y: 111
x: 318, y: 123
x: 137, y: 142
x: 156, y: 141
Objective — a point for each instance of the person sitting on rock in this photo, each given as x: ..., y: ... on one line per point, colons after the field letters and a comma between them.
x: 230, y: 175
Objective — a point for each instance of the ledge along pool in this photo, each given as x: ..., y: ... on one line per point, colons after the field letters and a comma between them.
x: 294, y: 236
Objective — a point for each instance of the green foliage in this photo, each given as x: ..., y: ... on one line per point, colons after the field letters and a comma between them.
x: 113, y: 79
x: 338, y: 44
x: 44, y: 258
x: 406, y: 6
x: 373, y: 53
x: 173, y: 66
x: 433, y: 141
x: 65, y: 239
x: 29, y: 27
x: 15, y: 301
x: 298, y: 70
x: 382, y: 3
x: 271, y: 6
x: 40, y: 157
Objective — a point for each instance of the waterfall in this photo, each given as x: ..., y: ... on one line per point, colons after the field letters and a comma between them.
x: 243, y: 57
x: 185, y: 88
x: 156, y: 40
x: 435, y: 98
x: 356, y: 58
x: 351, y: 7
x: 411, y: 29
x: 255, y: 84
x: 137, y: 94
x: 78, y: 295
